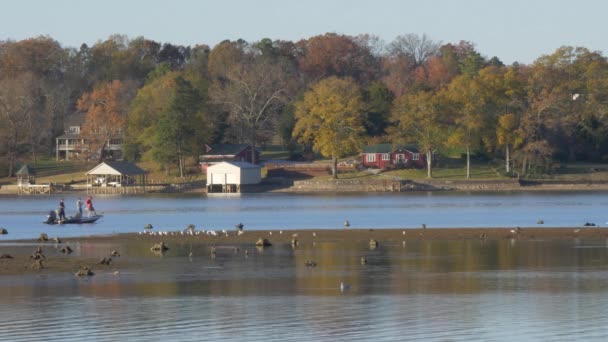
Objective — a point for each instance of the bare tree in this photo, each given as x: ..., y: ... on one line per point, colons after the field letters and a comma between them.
x: 16, y: 112
x: 417, y: 48
x: 253, y: 92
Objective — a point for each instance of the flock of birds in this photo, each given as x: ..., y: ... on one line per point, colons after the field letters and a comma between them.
x: 190, y: 231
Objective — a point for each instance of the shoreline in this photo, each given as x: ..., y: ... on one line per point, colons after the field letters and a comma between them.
x: 136, y: 254
x: 367, y: 186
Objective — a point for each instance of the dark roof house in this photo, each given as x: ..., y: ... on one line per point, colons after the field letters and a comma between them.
x: 229, y: 152
x: 384, y: 156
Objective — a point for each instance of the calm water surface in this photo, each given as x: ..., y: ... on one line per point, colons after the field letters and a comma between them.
x: 505, y: 290
x: 22, y: 216
x: 432, y: 291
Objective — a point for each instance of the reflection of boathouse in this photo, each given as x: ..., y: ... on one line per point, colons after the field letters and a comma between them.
x: 231, y: 176
x: 116, y: 177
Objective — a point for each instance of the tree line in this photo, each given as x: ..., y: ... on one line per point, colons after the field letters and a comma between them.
x: 330, y: 93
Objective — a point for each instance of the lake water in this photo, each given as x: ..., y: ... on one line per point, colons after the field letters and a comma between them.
x: 22, y: 215
x: 426, y: 291
x: 507, y: 290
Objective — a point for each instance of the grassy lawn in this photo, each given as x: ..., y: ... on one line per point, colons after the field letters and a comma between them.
x: 73, y: 172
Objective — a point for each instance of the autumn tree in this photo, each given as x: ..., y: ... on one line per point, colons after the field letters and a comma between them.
x: 39, y: 67
x: 337, y: 55
x: 15, y: 107
x: 405, y: 66
x: 331, y: 118
x: 106, y: 108
x: 507, y: 135
x: 224, y: 57
x: 419, y: 120
x: 467, y: 115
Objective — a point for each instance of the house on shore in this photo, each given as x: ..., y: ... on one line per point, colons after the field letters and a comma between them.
x: 227, y: 153
x: 72, y: 145
x: 384, y: 156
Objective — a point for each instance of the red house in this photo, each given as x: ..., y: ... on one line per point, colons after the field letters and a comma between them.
x: 227, y: 152
x: 383, y: 156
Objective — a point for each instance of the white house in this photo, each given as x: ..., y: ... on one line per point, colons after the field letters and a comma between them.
x: 229, y: 176
x: 71, y: 144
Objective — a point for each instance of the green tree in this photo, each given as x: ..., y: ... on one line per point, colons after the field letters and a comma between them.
x: 378, y: 100
x: 331, y: 117
x: 153, y: 99
x: 419, y: 120
x: 176, y: 133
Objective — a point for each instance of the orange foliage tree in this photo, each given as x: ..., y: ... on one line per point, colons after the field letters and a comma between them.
x: 106, y: 110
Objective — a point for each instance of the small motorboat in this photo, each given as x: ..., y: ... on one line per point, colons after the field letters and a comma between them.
x: 52, y: 218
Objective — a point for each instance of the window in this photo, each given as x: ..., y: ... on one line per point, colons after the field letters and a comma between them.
x: 400, y: 158
x: 371, y: 158
x: 386, y: 156
x: 416, y: 156
x: 74, y: 129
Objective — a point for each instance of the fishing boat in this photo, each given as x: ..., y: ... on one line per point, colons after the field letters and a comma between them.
x: 52, y: 218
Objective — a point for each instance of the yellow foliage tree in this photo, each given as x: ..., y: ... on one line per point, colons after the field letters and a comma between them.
x: 331, y: 117
x: 420, y: 121
x: 507, y: 135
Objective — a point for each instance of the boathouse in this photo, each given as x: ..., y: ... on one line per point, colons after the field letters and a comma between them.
x: 231, y: 176
x: 116, y: 177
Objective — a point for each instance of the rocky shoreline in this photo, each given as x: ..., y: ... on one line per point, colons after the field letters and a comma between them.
x: 113, y: 254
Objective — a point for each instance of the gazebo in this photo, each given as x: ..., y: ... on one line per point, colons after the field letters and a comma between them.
x: 26, y: 175
x: 116, y: 177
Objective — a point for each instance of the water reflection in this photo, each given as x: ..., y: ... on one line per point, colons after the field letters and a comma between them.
x: 427, y: 290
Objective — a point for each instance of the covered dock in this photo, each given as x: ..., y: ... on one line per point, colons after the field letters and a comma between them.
x: 26, y: 182
x: 116, y: 177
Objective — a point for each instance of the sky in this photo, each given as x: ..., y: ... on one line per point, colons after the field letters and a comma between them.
x: 514, y: 30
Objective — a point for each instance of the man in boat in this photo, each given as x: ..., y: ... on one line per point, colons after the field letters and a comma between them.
x: 61, y: 210
x: 79, y: 207
x: 51, y: 218
x: 90, y: 209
